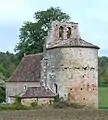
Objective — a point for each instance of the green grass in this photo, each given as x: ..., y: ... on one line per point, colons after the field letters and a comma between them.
x: 103, y: 97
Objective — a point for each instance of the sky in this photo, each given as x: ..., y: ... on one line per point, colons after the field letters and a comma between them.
x: 90, y: 14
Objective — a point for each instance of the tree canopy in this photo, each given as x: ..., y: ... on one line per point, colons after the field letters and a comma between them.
x: 8, y: 63
x: 32, y: 34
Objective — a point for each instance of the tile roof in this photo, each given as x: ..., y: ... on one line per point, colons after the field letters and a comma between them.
x: 71, y: 43
x: 37, y: 92
x: 28, y: 70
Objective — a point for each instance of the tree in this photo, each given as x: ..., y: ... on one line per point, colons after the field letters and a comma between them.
x: 8, y: 63
x: 32, y: 35
x: 2, y: 94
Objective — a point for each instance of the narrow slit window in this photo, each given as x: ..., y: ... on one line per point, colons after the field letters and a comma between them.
x: 61, y: 32
x: 56, y: 88
x: 68, y: 32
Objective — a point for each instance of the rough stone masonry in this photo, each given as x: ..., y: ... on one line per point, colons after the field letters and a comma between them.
x: 70, y: 65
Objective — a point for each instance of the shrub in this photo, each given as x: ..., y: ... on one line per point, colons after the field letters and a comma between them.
x: 13, y: 107
x: 75, y: 105
x: 56, y: 98
x: 67, y: 105
x: 59, y: 105
x: 17, y: 100
x: 34, y: 104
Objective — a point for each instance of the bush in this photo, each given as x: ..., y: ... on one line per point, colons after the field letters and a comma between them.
x: 76, y: 105
x: 17, y: 100
x: 13, y: 107
x: 59, y: 105
x: 67, y: 105
x: 34, y: 104
x: 56, y: 98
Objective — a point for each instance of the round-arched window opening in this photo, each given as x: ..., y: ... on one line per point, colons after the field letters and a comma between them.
x: 68, y: 32
x: 61, y: 32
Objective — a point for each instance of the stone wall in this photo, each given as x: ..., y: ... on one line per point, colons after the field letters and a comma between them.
x: 75, y: 71
x: 40, y: 101
x: 15, y: 88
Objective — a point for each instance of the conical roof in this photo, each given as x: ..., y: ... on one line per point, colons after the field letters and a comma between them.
x: 76, y: 42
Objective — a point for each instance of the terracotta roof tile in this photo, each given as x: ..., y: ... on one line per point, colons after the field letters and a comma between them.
x: 28, y: 70
x: 71, y: 43
x: 37, y: 92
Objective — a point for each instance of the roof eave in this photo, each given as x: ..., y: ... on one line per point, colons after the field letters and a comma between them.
x: 24, y: 97
x: 67, y: 46
x: 22, y: 81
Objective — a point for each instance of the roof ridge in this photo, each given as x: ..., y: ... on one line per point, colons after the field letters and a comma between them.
x: 33, y: 54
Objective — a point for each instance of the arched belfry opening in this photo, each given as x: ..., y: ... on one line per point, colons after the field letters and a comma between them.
x: 68, y: 32
x: 56, y: 88
x: 61, y: 32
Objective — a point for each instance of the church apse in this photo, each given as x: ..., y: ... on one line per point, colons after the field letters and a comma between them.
x: 74, y: 64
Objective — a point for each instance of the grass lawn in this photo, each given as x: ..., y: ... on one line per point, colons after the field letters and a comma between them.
x: 103, y: 97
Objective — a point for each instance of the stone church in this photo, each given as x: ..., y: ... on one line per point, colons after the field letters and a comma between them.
x: 68, y: 67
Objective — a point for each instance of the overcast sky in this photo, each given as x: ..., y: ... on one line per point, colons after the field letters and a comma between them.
x: 91, y: 15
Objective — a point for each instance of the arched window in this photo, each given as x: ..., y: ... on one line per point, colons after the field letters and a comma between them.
x: 68, y: 32
x: 56, y: 88
x: 61, y: 32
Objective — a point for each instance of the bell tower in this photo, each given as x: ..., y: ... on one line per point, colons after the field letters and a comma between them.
x: 62, y: 31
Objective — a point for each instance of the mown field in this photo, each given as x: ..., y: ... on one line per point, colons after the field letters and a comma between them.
x: 103, y: 97
x: 54, y: 114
